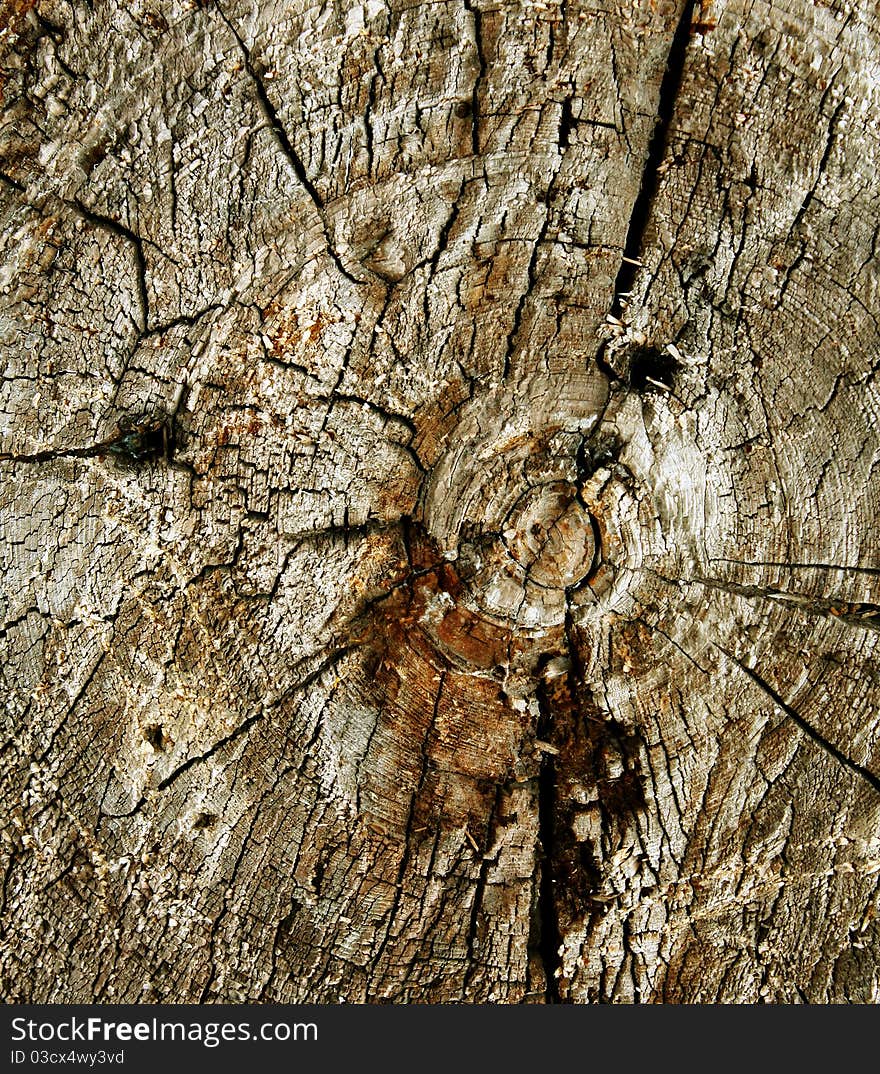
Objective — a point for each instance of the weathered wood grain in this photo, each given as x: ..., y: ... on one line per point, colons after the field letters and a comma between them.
x: 439, y: 501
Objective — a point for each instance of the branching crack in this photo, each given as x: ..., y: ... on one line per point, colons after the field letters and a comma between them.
x: 286, y: 146
x: 242, y: 728
x: 114, y: 227
x: 256, y: 717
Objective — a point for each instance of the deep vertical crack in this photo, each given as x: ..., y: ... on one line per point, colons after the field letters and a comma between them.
x: 477, y: 17
x: 823, y: 164
x: 550, y: 938
x: 638, y: 220
x: 531, y: 280
x: 566, y: 123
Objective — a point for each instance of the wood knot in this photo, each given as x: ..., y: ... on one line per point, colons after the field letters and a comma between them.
x: 552, y: 536
x: 504, y: 502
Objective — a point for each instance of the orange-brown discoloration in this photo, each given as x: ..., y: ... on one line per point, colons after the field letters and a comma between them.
x: 633, y: 649
x: 13, y: 17
x: 469, y: 638
x: 435, y: 420
x: 445, y: 722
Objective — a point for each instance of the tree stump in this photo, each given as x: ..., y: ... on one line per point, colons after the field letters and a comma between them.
x: 440, y: 451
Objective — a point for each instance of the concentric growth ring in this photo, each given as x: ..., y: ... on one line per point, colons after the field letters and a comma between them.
x: 504, y: 501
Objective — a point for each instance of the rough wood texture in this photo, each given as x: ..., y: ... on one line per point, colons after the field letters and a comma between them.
x: 406, y: 595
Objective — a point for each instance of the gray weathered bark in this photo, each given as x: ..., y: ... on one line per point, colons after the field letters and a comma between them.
x: 440, y: 450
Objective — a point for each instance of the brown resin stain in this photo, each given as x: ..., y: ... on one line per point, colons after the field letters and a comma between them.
x: 13, y: 24
x: 447, y: 734
x: 472, y: 639
x: 598, y: 772
x: 633, y: 648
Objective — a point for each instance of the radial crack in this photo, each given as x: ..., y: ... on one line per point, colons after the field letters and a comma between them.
x: 857, y: 614
x: 669, y: 88
x: 806, y: 727
x: 287, y: 148
x: 845, y: 567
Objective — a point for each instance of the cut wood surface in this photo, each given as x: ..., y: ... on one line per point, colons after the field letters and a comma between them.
x: 439, y: 502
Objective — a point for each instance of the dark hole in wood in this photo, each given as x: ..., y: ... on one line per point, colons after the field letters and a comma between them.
x: 140, y: 441
x: 652, y: 370
x: 594, y: 454
x: 155, y: 735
